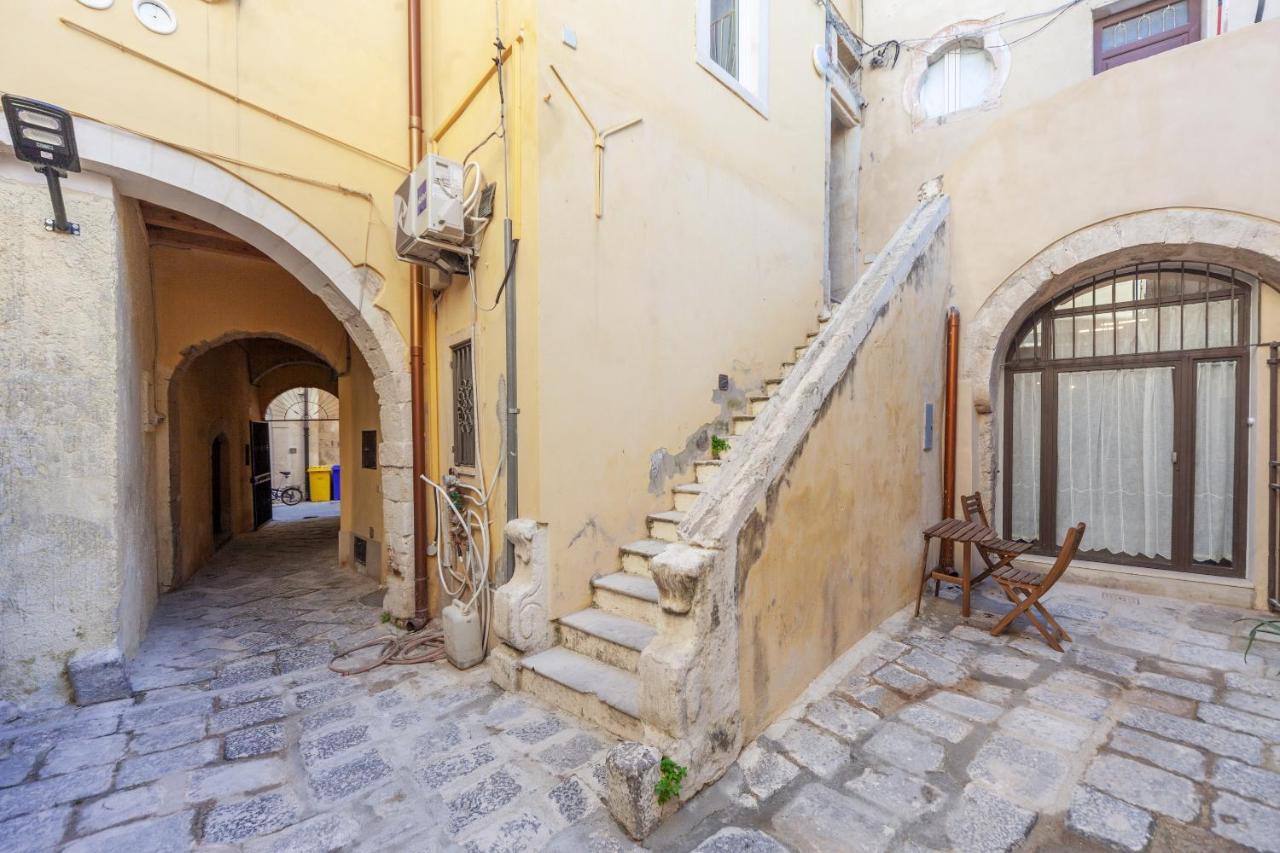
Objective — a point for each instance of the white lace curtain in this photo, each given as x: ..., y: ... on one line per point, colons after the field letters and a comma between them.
x: 1215, y: 460
x: 1024, y: 516
x: 1115, y: 459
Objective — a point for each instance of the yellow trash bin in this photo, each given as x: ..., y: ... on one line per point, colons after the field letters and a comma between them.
x: 321, y: 478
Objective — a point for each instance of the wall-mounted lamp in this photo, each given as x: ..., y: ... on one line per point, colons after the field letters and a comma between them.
x: 44, y: 135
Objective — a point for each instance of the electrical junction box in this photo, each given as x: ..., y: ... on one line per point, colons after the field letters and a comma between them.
x: 430, y: 219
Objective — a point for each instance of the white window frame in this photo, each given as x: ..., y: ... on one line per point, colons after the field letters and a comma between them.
x: 752, y: 82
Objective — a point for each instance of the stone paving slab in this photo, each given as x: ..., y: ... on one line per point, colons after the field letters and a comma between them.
x: 1150, y: 732
x: 241, y: 738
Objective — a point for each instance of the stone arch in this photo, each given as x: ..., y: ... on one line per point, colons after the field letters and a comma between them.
x: 1238, y: 240
x: 152, y: 171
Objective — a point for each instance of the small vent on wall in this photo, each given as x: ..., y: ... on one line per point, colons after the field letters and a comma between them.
x: 360, y: 550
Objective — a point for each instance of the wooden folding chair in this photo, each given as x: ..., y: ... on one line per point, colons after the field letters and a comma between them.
x: 1025, y: 587
x: 996, y: 553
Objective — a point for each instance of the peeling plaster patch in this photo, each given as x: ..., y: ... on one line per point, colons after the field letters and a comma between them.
x: 664, y: 465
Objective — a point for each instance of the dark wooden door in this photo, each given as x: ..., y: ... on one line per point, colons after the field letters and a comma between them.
x: 260, y: 471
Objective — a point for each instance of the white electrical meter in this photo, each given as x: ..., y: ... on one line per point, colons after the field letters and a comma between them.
x: 437, y: 200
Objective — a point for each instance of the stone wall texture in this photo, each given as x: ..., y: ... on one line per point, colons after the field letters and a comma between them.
x: 62, y: 527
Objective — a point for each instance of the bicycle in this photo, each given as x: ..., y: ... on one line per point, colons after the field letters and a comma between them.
x: 289, y: 495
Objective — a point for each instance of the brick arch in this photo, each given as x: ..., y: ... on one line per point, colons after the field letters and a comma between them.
x: 1247, y: 243
x: 152, y: 171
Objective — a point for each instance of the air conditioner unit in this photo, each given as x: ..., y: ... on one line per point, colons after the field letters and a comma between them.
x: 430, y: 217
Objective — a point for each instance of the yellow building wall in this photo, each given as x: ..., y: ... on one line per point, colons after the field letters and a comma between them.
x: 203, y: 297
x: 361, y: 487
x: 708, y: 260
x: 213, y: 398
x: 321, y: 120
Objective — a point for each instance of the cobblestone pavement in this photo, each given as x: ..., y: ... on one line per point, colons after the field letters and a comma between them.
x: 1151, y: 732
x: 241, y: 737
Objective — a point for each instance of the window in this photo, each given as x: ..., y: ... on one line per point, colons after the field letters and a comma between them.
x: 957, y: 78
x: 464, y: 407
x: 733, y: 45
x: 961, y: 68
x: 1142, y: 31
x: 1125, y: 408
x: 369, y: 448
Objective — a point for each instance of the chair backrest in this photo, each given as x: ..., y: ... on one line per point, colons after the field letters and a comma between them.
x: 971, y: 506
x: 1070, y: 544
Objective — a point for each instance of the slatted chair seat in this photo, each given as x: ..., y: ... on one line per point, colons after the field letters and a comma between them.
x: 1019, y: 577
x: 1025, y: 587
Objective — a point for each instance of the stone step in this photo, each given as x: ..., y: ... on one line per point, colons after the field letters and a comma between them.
x: 614, y: 640
x: 627, y: 595
x: 758, y: 402
x: 812, y: 335
x: 786, y: 368
x: 771, y: 386
x: 663, y: 525
x: 636, y: 555
x: 705, y: 470
x: 687, y: 495
x: 800, y: 351
x: 594, y: 691
x: 742, y: 423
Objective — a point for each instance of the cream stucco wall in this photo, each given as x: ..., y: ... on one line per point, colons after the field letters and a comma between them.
x: 834, y: 548
x: 898, y: 157
x: 1139, y: 178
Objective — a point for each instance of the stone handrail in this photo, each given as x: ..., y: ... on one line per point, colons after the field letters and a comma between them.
x: 762, y: 454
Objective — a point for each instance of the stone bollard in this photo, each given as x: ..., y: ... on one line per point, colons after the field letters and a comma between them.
x: 98, y: 676
x: 631, y: 772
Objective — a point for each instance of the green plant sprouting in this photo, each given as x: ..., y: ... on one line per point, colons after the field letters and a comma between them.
x: 1261, y: 626
x: 668, y: 785
x: 718, y: 446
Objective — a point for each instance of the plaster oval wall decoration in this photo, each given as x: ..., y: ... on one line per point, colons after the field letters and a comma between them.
x: 97, y: 4
x: 961, y: 68
x: 156, y: 16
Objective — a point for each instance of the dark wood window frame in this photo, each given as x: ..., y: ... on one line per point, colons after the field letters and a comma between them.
x: 1150, y: 46
x: 1183, y: 362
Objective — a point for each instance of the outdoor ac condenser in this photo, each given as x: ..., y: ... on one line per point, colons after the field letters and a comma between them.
x: 430, y: 217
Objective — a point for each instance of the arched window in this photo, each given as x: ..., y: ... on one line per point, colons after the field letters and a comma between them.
x: 957, y: 78
x: 1125, y: 404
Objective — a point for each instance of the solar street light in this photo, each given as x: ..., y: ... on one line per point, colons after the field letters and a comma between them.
x: 44, y: 135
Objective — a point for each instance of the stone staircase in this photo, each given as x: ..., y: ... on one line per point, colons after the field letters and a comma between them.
x: 592, y: 669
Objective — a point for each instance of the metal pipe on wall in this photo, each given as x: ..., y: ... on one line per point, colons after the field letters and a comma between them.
x: 513, y: 410
x: 1273, y: 480
x: 946, y: 556
x: 421, y: 590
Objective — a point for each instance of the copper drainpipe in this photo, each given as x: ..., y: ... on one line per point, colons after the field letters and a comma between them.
x: 421, y: 606
x: 946, y: 556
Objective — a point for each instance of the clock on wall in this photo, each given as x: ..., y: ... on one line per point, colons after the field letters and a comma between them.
x: 155, y: 15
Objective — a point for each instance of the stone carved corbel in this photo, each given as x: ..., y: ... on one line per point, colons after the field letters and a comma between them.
x: 521, y: 605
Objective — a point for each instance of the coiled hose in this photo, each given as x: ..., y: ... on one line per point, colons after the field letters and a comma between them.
x: 397, y: 650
